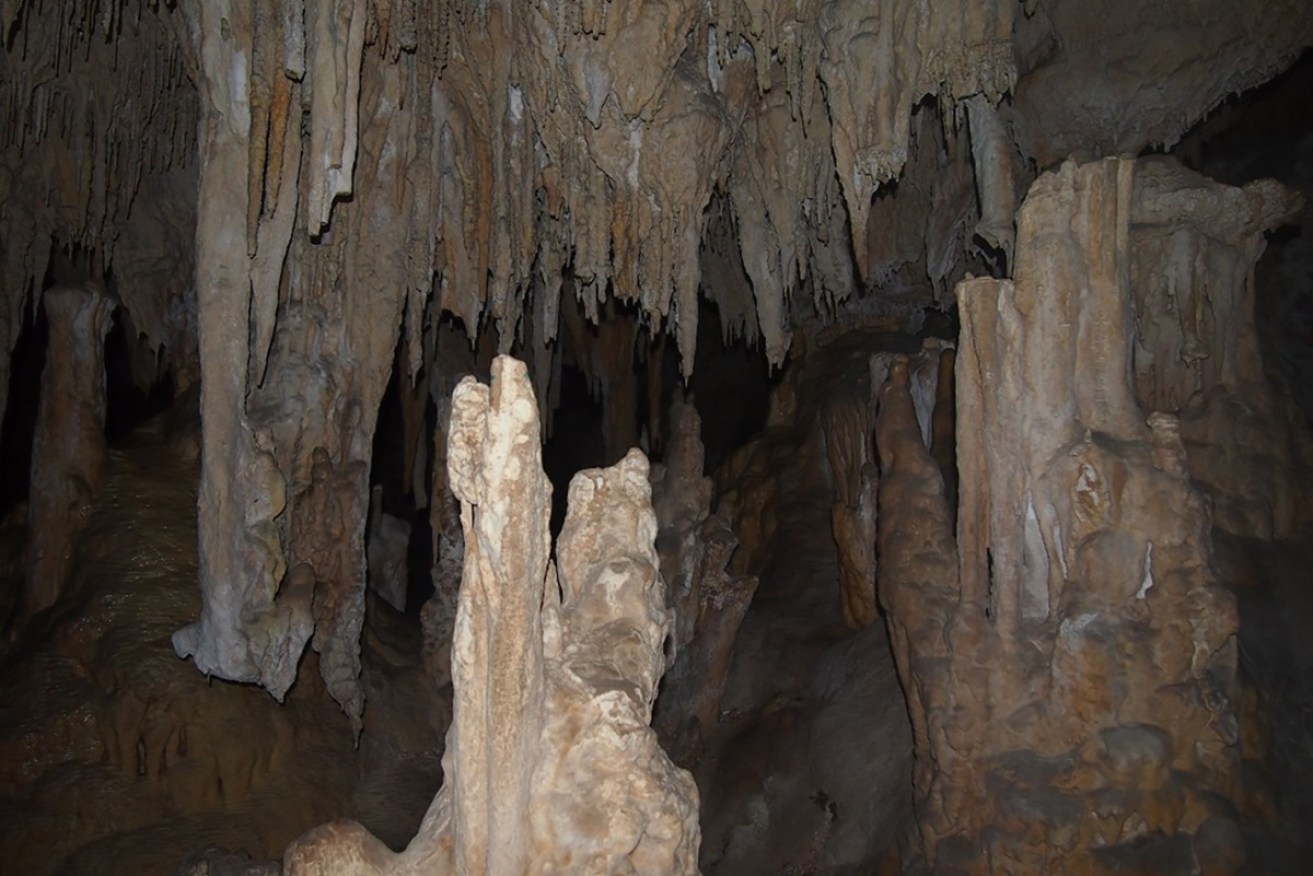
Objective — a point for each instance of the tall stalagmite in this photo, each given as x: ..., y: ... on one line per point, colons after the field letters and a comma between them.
x: 1071, y: 660
x: 551, y: 766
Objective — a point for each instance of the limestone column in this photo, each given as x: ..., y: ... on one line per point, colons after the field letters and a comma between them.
x: 68, y: 446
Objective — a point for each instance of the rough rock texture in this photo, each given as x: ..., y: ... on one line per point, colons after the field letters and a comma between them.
x: 386, y: 549
x: 354, y: 171
x: 1082, y: 79
x: 1069, y: 658
x: 849, y: 420
x: 847, y: 426
x: 706, y: 602
x: 1197, y: 347
x: 98, y: 153
x: 68, y: 447
x: 550, y: 764
x: 808, y: 765
x: 314, y: 316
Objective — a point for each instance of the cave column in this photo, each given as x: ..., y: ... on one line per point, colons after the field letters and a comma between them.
x: 68, y: 445
x: 240, y: 635
x: 1071, y: 672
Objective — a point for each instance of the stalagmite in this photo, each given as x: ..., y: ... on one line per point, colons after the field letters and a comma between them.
x: 68, y: 448
x: 550, y: 765
x: 278, y: 193
x: 848, y: 426
x: 707, y: 602
x: 1072, y: 675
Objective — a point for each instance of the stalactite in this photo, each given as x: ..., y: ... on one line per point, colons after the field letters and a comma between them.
x: 992, y: 153
x: 93, y: 108
x: 249, y: 630
x: 336, y: 40
x: 494, y: 156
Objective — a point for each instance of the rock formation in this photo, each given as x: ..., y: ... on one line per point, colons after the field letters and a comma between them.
x: 376, y: 165
x: 1197, y: 353
x: 1069, y: 656
x: 550, y: 763
x: 98, y: 716
x: 706, y: 601
x: 68, y: 449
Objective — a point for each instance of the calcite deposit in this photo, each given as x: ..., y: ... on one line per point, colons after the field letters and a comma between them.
x: 707, y: 603
x: 1068, y: 653
x: 1197, y: 351
x: 350, y: 173
x: 551, y: 766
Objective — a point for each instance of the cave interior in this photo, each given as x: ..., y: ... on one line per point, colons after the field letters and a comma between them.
x: 656, y: 437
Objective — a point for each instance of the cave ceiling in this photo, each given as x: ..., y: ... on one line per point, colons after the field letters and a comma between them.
x: 531, y: 142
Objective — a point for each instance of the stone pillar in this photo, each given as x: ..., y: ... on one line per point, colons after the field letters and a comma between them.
x: 1070, y: 662
x: 68, y: 446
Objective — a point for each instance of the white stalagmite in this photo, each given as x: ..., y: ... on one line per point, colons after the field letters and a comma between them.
x: 551, y: 766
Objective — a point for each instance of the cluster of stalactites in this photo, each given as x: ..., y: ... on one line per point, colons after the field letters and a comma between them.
x: 548, y: 154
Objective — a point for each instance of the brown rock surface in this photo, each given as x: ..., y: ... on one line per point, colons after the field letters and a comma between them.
x: 1070, y: 661
x: 68, y: 448
x: 707, y: 603
x: 1197, y: 351
x: 338, y: 169
x: 298, y: 204
x: 117, y: 759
